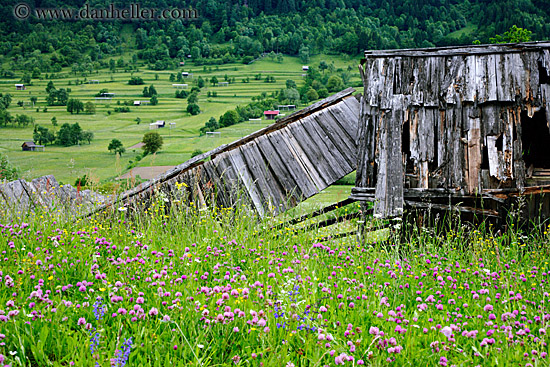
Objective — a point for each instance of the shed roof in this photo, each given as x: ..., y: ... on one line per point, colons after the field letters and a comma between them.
x: 461, y: 50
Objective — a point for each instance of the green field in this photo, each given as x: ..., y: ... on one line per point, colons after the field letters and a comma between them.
x: 68, y: 163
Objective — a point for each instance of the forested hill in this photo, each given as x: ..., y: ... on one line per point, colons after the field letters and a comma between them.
x: 243, y: 29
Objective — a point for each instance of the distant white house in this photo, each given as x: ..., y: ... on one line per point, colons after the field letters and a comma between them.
x: 141, y: 103
x: 223, y: 84
x: 172, y: 125
x: 20, y: 87
x: 186, y: 74
x: 305, y: 68
x: 180, y: 86
x: 157, y: 124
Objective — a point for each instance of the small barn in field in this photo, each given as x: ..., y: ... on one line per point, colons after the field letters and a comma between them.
x: 157, y: 124
x: 30, y: 146
x: 270, y: 114
x: 20, y: 87
x: 443, y: 126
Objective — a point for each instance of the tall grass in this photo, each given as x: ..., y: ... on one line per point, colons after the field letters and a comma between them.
x: 183, y: 285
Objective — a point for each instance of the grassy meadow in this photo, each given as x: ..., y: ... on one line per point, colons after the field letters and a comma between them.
x: 68, y: 163
x: 216, y: 287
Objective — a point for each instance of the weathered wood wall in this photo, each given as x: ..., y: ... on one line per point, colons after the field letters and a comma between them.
x: 449, y: 106
x: 44, y: 193
x: 272, y: 169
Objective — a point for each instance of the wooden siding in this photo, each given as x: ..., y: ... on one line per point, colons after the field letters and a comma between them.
x: 462, y: 109
x: 272, y: 169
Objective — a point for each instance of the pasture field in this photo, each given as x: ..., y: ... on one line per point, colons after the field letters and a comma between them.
x: 68, y: 163
x: 219, y: 288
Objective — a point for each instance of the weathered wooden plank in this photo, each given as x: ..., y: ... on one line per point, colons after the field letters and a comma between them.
x: 340, y: 139
x: 246, y: 179
x: 273, y: 196
x: 310, y: 155
x: 237, y: 194
x: 516, y: 68
x: 333, y: 156
x: 504, y: 88
x: 419, y: 77
x: 545, y: 97
x: 342, y: 122
x: 350, y: 109
x: 474, y: 150
x: 375, y: 82
x: 454, y: 79
x: 492, y: 94
x: 482, y: 79
x: 389, y: 186
x: 285, y: 178
x: 294, y: 165
x: 432, y: 82
x: 387, y: 88
x: 470, y: 79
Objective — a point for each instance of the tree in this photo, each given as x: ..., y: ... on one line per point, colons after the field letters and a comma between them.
x: 323, y: 93
x: 229, y: 118
x: 50, y: 87
x: 153, y: 142
x: 89, y: 107
x: 312, y: 94
x: 116, y: 147
x: 23, y: 120
x: 280, y: 58
x: 200, y: 82
x: 335, y: 84
x: 88, y: 136
x: 5, y: 117
x: 42, y: 135
x: 7, y: 171
x: 33, y: 100
x: 69, y: 134
x: 323, y: 66
x: 152, y: 90
x: 214, y: 81
x: 135, y: 80
x: 290, y: 83
x: 513, y: 35
x: 196, y: 152
x: 193, y: 109
x: 75, y: 106
x: 54, y: 121
x: 304, y: 54
x: 154, y: 100
x: 193, y: 98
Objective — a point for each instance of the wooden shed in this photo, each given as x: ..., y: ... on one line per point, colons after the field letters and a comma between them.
x: 450, y: 125
x: 30, y: 146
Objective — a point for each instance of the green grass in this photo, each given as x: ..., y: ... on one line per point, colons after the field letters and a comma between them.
x: 218, y: 288
x: 67, y: 163
x: 468, y: 30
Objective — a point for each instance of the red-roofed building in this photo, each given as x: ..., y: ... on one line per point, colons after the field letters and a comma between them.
x: 270, y: 115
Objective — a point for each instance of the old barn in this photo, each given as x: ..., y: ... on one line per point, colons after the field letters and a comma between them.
x: 444, y: 126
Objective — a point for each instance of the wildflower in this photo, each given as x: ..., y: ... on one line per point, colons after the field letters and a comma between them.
x: 447, y: 331
x: 123, y: 354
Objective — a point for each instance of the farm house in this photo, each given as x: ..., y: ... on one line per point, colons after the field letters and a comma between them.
x: 451, y: 125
